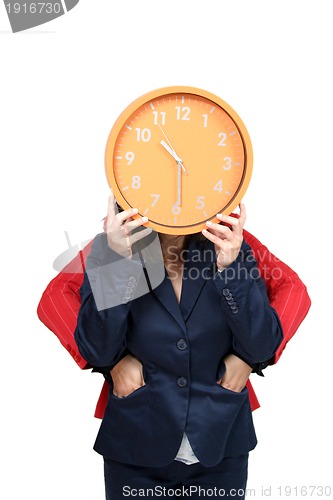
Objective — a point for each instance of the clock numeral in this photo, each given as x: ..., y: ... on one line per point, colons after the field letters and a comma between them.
x: 218, y: 186
x: 143, y: 134
x: 200, y: 203
x: 136, y: 182
x: 175, y: 209
x: 183, y: 113
x: 158, y: 114
x: 228, y: 164
x: 129, y: 157
x: 205, y: 117
x: 156, y: 196
x: 223, y: 139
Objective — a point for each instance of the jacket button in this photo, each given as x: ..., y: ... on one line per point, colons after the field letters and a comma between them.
x: 182, y: 382
x: 181, y: 344
x: 234, y: 310
x: 226, y: 291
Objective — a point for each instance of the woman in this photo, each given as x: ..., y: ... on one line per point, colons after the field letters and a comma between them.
x: 183, y: 430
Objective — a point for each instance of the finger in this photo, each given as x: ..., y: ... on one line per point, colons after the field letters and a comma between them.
x: 121, y: 217
x: 242, y: 215
x: 105, y: 222
x: 221, y: 243
x: 223, y: 232
x: 237, y: 223
x: 228, y: 219
x: 111, y: 207
x: 126, y: 214
x: 140, y: 235
x: 133, y: 224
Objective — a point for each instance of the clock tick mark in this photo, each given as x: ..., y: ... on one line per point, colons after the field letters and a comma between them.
x: 129, y: 128
x: 212, y: 109
x: 151, y: 105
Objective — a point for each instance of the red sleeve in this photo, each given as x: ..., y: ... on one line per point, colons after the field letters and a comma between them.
x: 60, y: 303
x: 287, y: 293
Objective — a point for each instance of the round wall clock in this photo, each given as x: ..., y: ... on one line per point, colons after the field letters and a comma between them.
x: 180, y: 155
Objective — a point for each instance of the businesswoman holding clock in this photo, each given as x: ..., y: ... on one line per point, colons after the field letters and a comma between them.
x: 187, y: 429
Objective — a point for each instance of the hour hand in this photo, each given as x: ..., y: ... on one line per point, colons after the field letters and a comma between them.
x: 171, y: 151
x: 174, y: 155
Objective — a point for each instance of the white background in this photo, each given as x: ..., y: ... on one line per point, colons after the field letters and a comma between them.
x: 62, y: 87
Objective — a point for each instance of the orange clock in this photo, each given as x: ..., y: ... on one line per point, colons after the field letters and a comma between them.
x: 180, y: 155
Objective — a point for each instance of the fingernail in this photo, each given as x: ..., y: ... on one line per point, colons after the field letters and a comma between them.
x: 135, y: 210
x: 209, y: 223
x: 219, y: 216
x: 144, y: 219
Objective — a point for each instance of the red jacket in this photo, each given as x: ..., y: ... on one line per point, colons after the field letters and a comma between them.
x: 60, y: 303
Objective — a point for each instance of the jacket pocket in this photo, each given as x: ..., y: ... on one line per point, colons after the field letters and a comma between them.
x: 220, y: 372
x: 243, y: 391
x: 129, y: 396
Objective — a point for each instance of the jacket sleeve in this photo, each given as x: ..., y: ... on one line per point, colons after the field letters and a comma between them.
x: 106, y: 293
x: 255, y: 325
x: 60, y: 302
x: 287, y: 293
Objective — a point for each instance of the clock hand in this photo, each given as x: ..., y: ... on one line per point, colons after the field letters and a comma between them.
x: 174, y: 155
x: 179, y: 172
x: 159, y: 126
x: 179, y: 185
x: 171, y: 149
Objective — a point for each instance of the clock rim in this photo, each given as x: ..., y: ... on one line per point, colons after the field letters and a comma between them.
x: 159, y: 92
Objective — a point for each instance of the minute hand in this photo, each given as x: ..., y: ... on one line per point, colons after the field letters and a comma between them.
x: 174, y: 155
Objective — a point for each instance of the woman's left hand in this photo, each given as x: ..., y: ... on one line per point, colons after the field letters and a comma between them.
x: 227, y: 240
x: 236, y: 374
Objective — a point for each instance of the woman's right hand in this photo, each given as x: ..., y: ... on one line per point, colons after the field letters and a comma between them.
x: 127, y: 376
x: 119, y: 227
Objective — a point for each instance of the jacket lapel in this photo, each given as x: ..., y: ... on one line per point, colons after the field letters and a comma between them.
x: 165, y: 294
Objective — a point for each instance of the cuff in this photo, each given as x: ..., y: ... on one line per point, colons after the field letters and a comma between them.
x: 256, y: 367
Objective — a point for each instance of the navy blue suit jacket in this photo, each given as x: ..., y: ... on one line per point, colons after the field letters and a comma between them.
x: 181, y: 347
